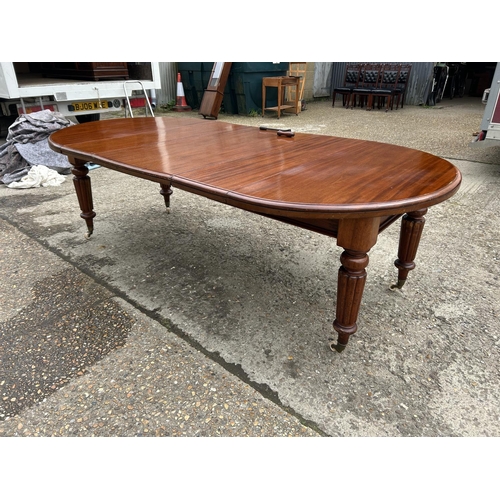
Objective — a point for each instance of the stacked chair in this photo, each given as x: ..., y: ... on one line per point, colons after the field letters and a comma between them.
x: 367, y: 84
x: 403, y: 79
x: 351, y: 80
x: 386, y: 88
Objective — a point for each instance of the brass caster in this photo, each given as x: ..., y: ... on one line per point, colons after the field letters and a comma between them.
x: 88, y: 234
x: 399, y: 284
x: 167, y: 210
x: 337, y: 347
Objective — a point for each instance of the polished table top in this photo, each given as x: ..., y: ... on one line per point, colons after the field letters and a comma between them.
x: 310, y: 175
x: 345, y: 188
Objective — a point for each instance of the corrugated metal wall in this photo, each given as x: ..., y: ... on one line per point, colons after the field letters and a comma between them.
x: 168, y: 78
x: 323, y: 77
x: 418, y: 86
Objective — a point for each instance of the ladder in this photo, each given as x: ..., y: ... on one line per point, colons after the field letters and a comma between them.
x: 297, y: 69
x: 147, y: 104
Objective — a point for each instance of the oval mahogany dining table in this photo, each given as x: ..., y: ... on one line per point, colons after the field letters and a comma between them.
x: 348, y: 189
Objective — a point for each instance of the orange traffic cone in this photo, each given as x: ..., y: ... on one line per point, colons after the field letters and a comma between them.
x: 181, y: 104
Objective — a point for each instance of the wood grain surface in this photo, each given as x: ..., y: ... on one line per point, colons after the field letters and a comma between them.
x: 309, y: 176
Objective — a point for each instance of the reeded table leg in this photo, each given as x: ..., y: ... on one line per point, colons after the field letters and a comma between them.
x: 351, y: 283
x: 166, y: 191
x: 356, y: 237
x: 412, y: 226
x: 83, y: 189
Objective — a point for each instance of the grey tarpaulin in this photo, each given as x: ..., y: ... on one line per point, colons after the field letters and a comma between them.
x: 27, y: 145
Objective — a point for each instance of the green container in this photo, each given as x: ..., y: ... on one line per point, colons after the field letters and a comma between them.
x: 243, y: 91
x: 245, y: 81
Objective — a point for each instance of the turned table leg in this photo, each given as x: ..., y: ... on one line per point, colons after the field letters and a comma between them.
x: 357, y: 237
x: 351, y: 283
x: 412, y: 226
x: 83, y: 189
x: 166, y: 191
